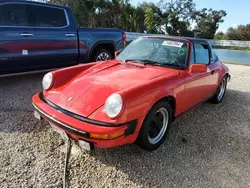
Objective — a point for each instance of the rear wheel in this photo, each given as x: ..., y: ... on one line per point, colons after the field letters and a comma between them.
x: 102, y: 55
x: 155, y: 126
x: 221, y: 90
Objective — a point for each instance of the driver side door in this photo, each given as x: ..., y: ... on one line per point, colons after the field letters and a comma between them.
x: 199, y: 86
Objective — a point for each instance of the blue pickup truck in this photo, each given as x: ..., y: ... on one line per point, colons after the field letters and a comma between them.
x: 37, y: 36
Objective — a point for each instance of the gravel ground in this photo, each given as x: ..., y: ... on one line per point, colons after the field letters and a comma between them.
x: 209, y: 147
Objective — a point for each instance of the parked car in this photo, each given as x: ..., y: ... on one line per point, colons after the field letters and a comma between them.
x: 37, y: 36
x: 135, y: 97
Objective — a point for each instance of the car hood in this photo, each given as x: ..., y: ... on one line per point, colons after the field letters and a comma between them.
x: 89, y: 90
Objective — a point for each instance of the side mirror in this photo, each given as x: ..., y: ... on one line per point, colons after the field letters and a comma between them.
x: 116, y: 53
x: 198, y: 68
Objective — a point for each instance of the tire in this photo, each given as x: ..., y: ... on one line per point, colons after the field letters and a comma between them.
x: 101, y: 55
x: 147, y: 138
x: 220, y: 92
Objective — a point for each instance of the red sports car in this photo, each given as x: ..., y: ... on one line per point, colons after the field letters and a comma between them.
x: 136, y: 96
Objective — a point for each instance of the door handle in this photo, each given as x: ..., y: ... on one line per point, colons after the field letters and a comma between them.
x: 70, y: 35
x: 26, y: 34
x: 213, y: 72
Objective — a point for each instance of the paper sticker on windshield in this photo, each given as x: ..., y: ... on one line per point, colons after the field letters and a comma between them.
x: 172, y: 43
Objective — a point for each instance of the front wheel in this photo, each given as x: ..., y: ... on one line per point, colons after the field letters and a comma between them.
x: 102, y: 55
x: 155, y: 127
x: 220, y: 93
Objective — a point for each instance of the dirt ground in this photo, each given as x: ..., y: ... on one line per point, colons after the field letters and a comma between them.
x: 216, y: 151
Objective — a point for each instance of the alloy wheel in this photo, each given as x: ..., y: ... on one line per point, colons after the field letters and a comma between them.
x: 158, y: 126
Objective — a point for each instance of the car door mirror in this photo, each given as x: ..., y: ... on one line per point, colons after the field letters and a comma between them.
x: 198, y: 68
x: 116, y: 53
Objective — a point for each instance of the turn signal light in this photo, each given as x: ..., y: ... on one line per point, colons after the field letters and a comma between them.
x: 107, y: 136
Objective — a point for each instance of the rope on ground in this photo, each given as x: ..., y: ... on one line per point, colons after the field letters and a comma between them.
x: 68, y: 147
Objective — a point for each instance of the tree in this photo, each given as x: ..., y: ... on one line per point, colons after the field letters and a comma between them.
x: 240, y: 33
x: 173, y: 18
x: 221, y: 36
x: 177, y: 16
x: 150, y: 20
x: 139, y: 21
x: 153, y: 13
x: 208, y: 22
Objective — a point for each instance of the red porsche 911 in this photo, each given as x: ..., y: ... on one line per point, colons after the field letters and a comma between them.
x: 135, y: 97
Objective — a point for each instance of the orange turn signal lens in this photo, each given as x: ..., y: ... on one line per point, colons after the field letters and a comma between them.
x: 107, y: 136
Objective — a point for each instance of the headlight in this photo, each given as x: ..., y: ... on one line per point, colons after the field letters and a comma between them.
x: 47, y: 80
x: 113, y: 105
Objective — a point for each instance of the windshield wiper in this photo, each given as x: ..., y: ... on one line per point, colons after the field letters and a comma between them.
x: 155, y: 63
x: 143, y: 61
x: 135, y: 60
x: 150, y: 62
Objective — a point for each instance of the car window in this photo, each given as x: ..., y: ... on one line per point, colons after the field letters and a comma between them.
x: 49, y: 16
x: 164, y: 51
x: 201, y: 53
x: 192, y: 60
x: 14, y: 15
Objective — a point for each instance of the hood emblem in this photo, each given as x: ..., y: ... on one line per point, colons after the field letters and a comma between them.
x: 70, y: 99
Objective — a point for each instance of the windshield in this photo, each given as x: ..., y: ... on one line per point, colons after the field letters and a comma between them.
x: 156, y: 51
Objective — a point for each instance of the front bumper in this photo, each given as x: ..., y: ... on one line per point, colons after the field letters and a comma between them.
x: 80, y: 128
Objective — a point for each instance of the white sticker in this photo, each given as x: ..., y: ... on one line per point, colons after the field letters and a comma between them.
x: 172, y: 43
x: 25, y: 52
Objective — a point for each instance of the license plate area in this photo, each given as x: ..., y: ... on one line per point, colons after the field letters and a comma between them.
x: 85, y: 145
x: 37, y: 115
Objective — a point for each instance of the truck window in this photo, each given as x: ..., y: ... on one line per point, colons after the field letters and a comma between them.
x: 49, y: 16
x: 13, y: 15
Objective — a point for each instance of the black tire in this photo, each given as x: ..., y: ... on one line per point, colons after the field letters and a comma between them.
x: 218, y: 97
x: 143, y: 139
x: 101, y: 55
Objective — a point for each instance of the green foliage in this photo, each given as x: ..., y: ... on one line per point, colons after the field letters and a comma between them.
x: 175, y: 17
x: 220, y: 36
x: 153, y: 16
x: 208, y: 22
x: 242, y: 32
x: 150, y: 20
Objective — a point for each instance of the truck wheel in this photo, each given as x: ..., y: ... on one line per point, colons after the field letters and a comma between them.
x: 102, y: 55
x: 155, y: 126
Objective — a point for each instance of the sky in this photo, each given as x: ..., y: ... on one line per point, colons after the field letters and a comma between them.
x: 238, y: 11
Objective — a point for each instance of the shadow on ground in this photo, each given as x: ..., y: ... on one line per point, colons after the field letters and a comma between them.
x: 210, y: 145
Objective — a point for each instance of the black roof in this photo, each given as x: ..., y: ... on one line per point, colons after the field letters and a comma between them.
x: 178, y: 37
x: 195, y: 39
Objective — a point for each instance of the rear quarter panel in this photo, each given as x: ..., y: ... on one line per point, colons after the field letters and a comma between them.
x: 91, y: 37
x: 223, y: 71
